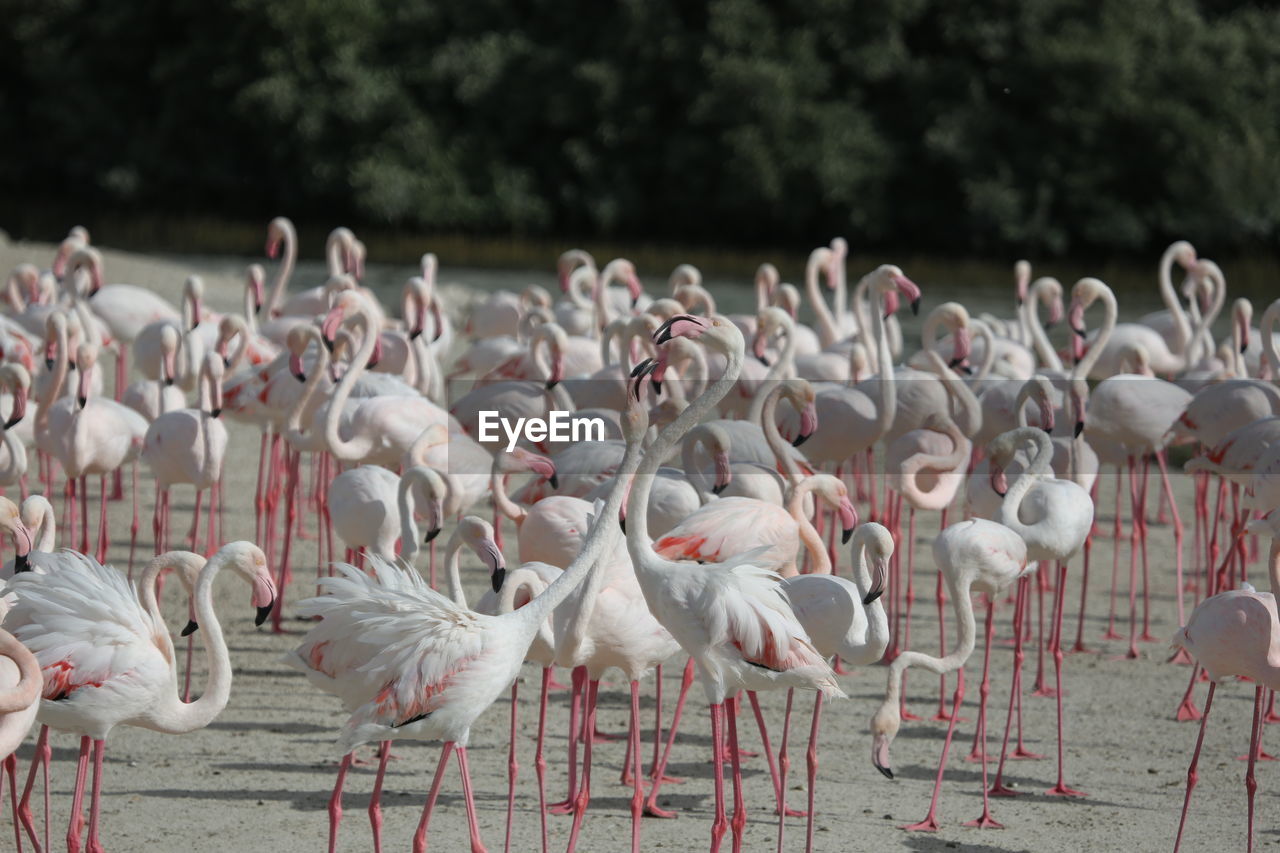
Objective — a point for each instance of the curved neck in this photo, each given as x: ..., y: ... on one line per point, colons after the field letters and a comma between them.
x: 27, y: 691
x: 965, y: 637
x: 179, y: 717
x: 452, y: 556
x: 1181, y: 325
x: 783, y: 368
x: 1274, y: 567
x: 283, y: 273
x: 888, y: 393
x: 54, y: 386
x: 293, y: 424
x: 827, y: 334
x: 943, y: 463
x: 1267, y: 330
x: 361, y: 442
x: 47, y: 530
x: 1084, y: 365
x: 699, y: 437
x: 1037, y: 470
x: 498, y: 489
x: 16, y: 467
x: 781, y: 450
x: 1030, y: 312
x: 809, y: 537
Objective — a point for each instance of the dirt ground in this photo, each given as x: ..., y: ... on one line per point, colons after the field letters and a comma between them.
x: 259, y: 777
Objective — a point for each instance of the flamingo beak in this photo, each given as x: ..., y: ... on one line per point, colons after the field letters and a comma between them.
x: 192, y: 626
x: 431, y: 534
x: 295, y: 367
x: 808, y: 424
x: 19, y: 408
x: 879, y: 582
x: 1079, y: 429
x: 848, y: 519
x: 880, y: 755
x: 999, y: 483
x: 724, y: 473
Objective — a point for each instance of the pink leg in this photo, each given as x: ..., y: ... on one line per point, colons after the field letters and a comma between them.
x: 259, y: 499
x: 998, y: 788
x: 584, y: 792
x: 375, y: 800
x: 11, y: 767
x: 291, y: 510
x: 566, y: 805
x: 637, y: 795
x: 1061, y: 789
x: 651, y: 805
x: 930, y: 822
x: 1255, y: 743
x: 1042, y: 581
x: 1135, y: 534
x: 1084, y: 584
x: 77, y: 799
x: 909, y: 599
x: 133, y: 528
x: 811, y: 762
x: 768, y: 751
x: 335, y: 801
x: 477, y: 846
x: 96, y: 803
x: 1146, y: 635
x: 1177, y: 530
x: 719, y: 823
x: 739, y: 821
x: 1111, y: 633
x: 513, y: 766
x: 40, y: 758
x: 985, y: 820
x: 784, y: 765
x: 539, y: 761
x: 83, y: 487
x: 102, y: 519
x: 195, y: 523
x: 420, y: 835
x: 1192, y: 775
x: 940, y: 598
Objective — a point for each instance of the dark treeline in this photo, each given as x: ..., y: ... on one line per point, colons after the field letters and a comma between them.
x: 1046, y: 126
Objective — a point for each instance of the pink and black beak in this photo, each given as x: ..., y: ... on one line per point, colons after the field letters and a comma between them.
x: 23, y: 542
x: 557, y: 372
x: 635, y: 288
x: 680, y: 325
x: 999, y: 483
x: 1075, y: 319
x: 376, y: 355
x: 543, y: 467
x: 295, y: 367
x: 879, y: 581
x: 963, y: 346
x: 1244, y: 333
x: 848, y: 519
x: 724, y: 473
x: 808, y: 424
x: 910, y: 290
x: 758, y: 347
x: 1046, y: 416
x: 497, y: 564
x: 639, y: 372
x: 19, y: 407
x: 329, y: 326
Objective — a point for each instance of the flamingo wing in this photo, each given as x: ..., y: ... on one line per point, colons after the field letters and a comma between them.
x: 84, y: 624
x: 729, y: 526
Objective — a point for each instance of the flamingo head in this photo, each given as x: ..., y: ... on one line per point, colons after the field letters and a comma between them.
x: 879, y: 549
x: 1021, y: 279
x: 1184, y: 253
x: 884, y: 728
x: 909, y: 290
x: 11, y: 522
x: 540, y: 465
x: 278, y: 230
x: 18, y: 379
x: 724, y: 471
x: 347, y: 303
x: 256, y: 284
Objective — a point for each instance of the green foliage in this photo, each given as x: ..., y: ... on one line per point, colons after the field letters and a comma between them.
x: 1014, y: 125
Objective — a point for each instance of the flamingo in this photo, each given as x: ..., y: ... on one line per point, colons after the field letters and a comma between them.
x: 189, y: 446
x: 731, y: 617
x: 334, y: 668
x: 427, y: 667
x: 972, y: 555
x: 1230, y: 634
x: 844, y: 619
x: 157, y: 394
x: 1054, y: 518
x: 93, y: 684
x: 20, y: 686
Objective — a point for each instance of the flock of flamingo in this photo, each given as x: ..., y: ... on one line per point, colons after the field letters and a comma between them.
x: 743, y: 454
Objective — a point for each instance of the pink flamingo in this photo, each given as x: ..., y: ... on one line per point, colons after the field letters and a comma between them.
x: 335, y: 667
x: 91, y: 685
x: 972, y: 555
x: 425, y: 667
x: 1234, y: 633
x: 20, y: 685
x: 731, y: 617
x: 1054, y: 518
x: 189, y: 446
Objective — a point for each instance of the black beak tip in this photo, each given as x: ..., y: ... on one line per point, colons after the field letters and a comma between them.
x: 226, y: 361
x: 191, y: 628
x: 12, y: 422
x: 328, y: 343
x: 1050, y: 324
x: 1019, y: 301
x: 1079, y: 429
x: 657, y: 386
x: 718, y: 488
x: 552, y: 383
x: 1047, y: 431
x: 263, y: 612
x: 872, y: 596
x: 301, y: 377
x: 966, y: 370
x: 554, y: 481
x: 496, y: 579
x: 431, y: 534
x: 954, y: 363
x: 763, y: 360
x: 622, y: 522
x: 48, y: 364
x: 635, y: 300
x: 915, y: 307
x: 168, y: 382
x: 21, y: 563
x: 257, y: 310
x: 1079, y: 332
x: 1244, y: 348
x: 800, y: 439
x: 413, y: 336
x: 82, y: 401
x: 885, y: 771
x: 215, y: 413
x: 845, y: 536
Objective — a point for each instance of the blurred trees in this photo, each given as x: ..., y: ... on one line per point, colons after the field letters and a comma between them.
x: 1010, y: 125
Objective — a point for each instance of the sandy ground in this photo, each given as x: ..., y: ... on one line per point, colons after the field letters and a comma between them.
x: 259, y: 777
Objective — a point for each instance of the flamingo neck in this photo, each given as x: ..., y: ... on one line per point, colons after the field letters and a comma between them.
x: 176, y: 716
x: 26, y: 692
x: 781, y: 450
x: 827, y: 332
x: 498, y: 488
x: 888, y: 393
x: 1030, y: 313
x: 361, y: 443
x: 1037, y: 470
x: 289, y: 256
x: 452, y: 556
x: 1085, y: 365
x: 1182, y: 335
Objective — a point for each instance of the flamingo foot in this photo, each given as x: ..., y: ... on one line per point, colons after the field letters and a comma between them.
x: 605, y: 737
x: 1148, y: 637
x: 1187, y: 711
x: 1021, y: 753
x: 1080, y: 649
x: 563, y: 807
x: 1045, y: 691
x: 907, y: 715
x: 1000, y: 789
x: 1271, y: 717
x: 652, y: 810
x: 929, y: 824
x: 1063, y: 790
x: 792, y: 812
x: 985, y: 821
x: 1263, y: 755
x: 1112, y: 635
x: 1181, y: 657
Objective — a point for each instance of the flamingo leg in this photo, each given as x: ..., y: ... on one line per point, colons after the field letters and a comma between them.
x: 420, y: 835
x: 584, y: 792
x: 95, y: 805
x: 195, y: 522
x: 1192, y: 774
x: 133, y: 527
x: 77, y: 798
x: 784, y: 765
x: 83, y: 488
x: 637, y: 795
x: 930, y: 822
x: 768, y: 751
x: 477, y: 846
x: 102, y: 519
x: 998, y: 788
x: 1146, y: 636
x: 659, y: 776
x: 1111, y: 633
x: 1177, y: 530
x: 375, y: 799
x: 1042, y: 580
x: 39, y: 759
x: 940, y: 597
x: 909, y: 599
x: 719, y: 824
x: 11, y: 767
x: 565, y: 806
x: 1084, y: 589
x: 1135, y: 534
x: 811, y: 763
x: 1061, y: 789
x: 539, y: 761
x: 1255, y: 744
x: 739, y: 821
x: 335, y: 801
x: 291, y: 510
x: 985, y: 820
x: 513, y: 766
